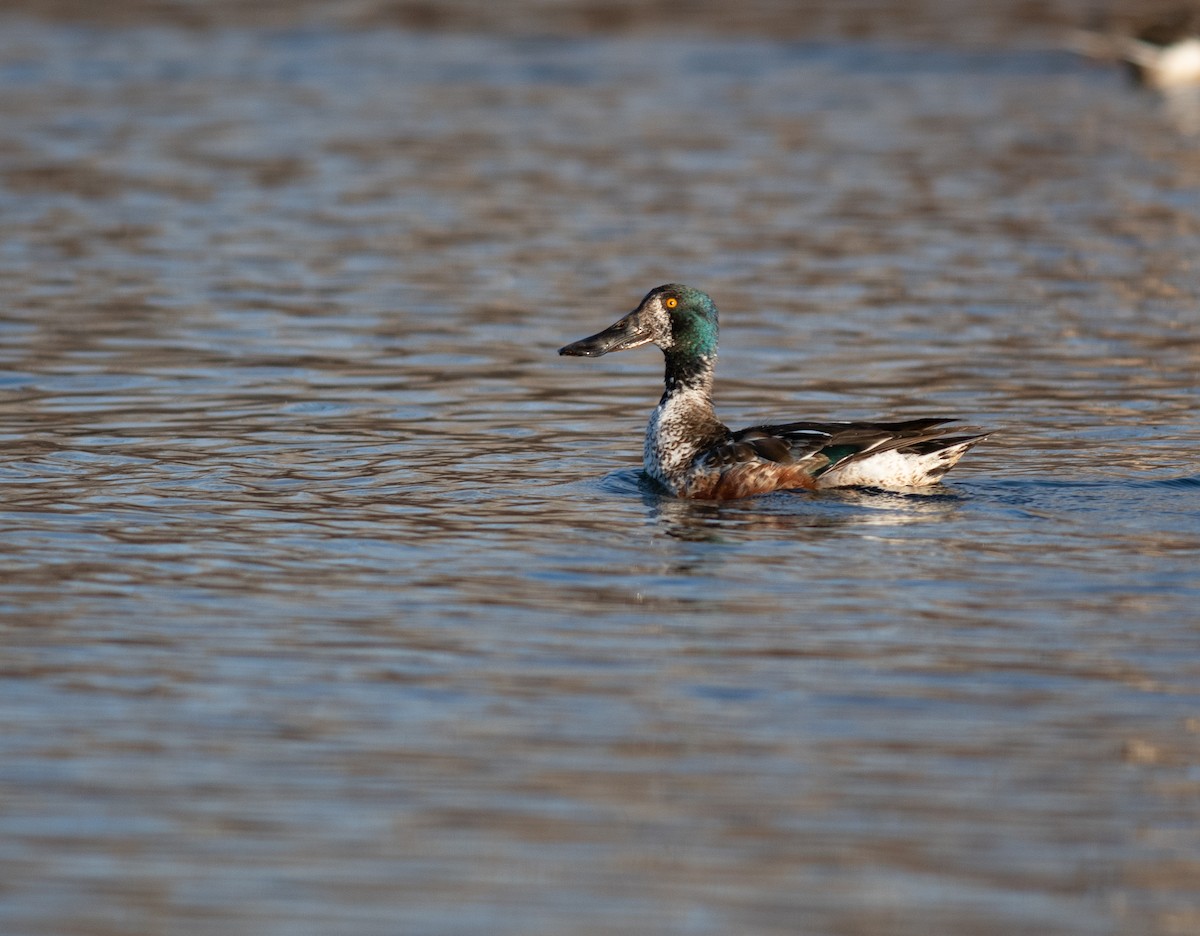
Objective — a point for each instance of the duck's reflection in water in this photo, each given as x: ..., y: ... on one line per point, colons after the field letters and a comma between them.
x: 802, y: 515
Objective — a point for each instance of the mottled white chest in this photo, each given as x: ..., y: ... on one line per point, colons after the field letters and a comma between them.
x: 672, y: 433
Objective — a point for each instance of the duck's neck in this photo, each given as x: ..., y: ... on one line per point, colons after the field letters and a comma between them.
x: 683, y: 424
x: 689, y: 375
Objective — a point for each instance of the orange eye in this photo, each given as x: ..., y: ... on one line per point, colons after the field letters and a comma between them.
x: 671, y: 302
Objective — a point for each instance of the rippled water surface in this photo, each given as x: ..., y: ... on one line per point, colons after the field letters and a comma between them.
x: 334, y: 602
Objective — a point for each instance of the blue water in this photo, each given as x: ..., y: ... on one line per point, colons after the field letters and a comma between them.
x: 335, y: 601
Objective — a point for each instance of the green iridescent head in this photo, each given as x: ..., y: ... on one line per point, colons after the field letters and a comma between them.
x: 680, y: 320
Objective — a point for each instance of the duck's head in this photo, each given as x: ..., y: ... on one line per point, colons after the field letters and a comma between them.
x: 680, y: 320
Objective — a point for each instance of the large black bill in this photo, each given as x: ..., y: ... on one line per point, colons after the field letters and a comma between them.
x: 621, y: 336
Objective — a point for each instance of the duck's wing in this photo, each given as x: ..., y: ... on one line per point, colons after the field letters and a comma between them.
x: 913, y: 453
x: 756, y: 461
x: 840, y: 454
x: 780, y: 445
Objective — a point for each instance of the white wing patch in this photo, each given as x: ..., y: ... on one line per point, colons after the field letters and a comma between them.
x: 893, y: 469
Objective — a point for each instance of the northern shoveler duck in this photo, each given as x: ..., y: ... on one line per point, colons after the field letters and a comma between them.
x: 1166, y: 53
x: 693, y: 454
x: 1163, y: 53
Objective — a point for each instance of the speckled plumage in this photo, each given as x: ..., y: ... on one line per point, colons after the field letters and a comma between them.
x: 692, y: 454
